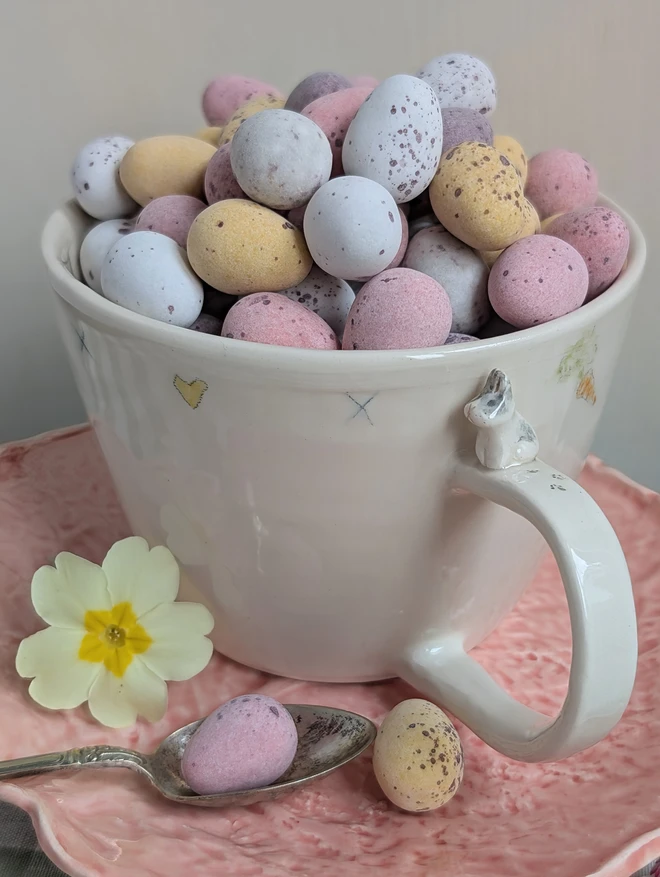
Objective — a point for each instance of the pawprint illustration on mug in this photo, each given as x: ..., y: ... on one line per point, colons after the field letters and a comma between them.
x: 192, y: 392
x: 577, y: 362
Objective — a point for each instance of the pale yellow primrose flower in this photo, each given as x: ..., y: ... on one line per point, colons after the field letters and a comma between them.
x: 116, y: 634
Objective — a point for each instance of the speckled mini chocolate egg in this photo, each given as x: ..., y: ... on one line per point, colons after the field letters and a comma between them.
x: 209, y: 135
x: 513, y: 151
x: 403, y: 246
x: 457, y: 338
x: 207, y: 324
x: 352, y: 227
x: 239, y: 247
x: 314, y: 86
x: 96, y: 246
x: 329, y: 297
x: 220, y: 180
x: 531, y: 225
x: 478, y: 196
x: 246, y: 743
x: 459, y: 270
x: 418, y: 756
x: 536, y: 280
x: 396, y: 310
x: 280, y: 158
x: 149, y: 273
x: 95, y: 178
x: 167, y: 165
x: 559, y: 181
x: 395, y: 138
x: 226, y: 94
x: 463, y: 123
x: 272, y: 318
x: 461, y: 80
x: 251, y: 108
x: 333, y: 113
x: 601, y: 237
x: 171, y: 215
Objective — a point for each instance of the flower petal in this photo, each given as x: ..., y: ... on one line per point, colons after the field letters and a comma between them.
x: 61, y: 680
x: 61, y: 596
x: 117, y: 702
x: 141, y: 577
x: 180, y: 649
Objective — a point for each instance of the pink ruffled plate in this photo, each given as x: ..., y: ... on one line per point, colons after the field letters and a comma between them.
x: 595, y: 814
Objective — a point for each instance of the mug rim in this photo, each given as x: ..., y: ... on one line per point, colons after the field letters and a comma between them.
x: 59, y: 245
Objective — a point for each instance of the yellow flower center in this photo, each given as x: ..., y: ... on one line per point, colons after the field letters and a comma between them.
x: 113, y: 637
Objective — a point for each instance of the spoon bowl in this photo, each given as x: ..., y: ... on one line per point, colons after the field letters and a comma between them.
x: 328, y: 738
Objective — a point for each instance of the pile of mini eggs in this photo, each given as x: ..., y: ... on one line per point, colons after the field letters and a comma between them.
x: 354, y: 214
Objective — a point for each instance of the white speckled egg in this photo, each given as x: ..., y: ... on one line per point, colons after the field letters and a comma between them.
x: 96, y: 246
x: 280, y: 158
x: 418, y: 757
x: 459, y: 270
x: 95, y: 178
x: 396, y: 137
x: 352, y: 227
x: 461, y: 80
x: 149, y: 273
x: 329, y: 297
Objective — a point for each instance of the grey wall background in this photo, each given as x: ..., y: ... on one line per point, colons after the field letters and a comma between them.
x: 583, y: 75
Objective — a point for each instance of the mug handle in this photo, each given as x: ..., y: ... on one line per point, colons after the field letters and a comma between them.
x: 602, y: 612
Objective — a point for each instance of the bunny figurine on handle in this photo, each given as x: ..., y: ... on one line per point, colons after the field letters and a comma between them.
x: 505, y: 438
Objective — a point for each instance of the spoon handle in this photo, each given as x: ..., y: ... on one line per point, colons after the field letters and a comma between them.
x: 72, y: 759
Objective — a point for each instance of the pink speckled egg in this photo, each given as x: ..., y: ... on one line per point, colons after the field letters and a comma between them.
x: 401, y: 252
x: 314, y: 86
x: 224, y: 95
x: 220, y: 180
x: 559, y: 180
x: 269, y: 318
x: 171, y: 215
x: 248, y: 742
x: 601, y: 237
x: 333, y: 113
x: 398, y: 309
x: 537, y: 279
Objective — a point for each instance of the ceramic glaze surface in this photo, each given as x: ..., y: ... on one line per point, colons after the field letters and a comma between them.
x: 311, y: 495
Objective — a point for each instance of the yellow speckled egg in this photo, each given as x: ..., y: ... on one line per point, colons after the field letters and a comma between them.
x: 209, y: 135
x: 532, y: 225
x: 513, y: 151
x: 167, y: 165
x: 251, y: 108
x: 239, y: 247
x: 477, y: 195
x: 546, y: 222
x: 418, y: 757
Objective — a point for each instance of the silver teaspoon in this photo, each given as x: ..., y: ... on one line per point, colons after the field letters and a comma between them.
x: 327, y: 739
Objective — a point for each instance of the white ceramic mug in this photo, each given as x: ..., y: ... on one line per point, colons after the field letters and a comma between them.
x: 330, y: 509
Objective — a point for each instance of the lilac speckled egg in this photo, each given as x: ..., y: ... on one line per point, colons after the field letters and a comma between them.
x: 395, y: 138
x: 224, y: 95
x: 459, y: 270
x: 537, y: 279
x: 95, y: 178
x: 352, y: 228
x: 171, y: 215
x: 364, y: 81
x: 220, y: 180
x: 463, y: 123
x: 248, y: 742
x: 280, y: 158
x: 457, y: 338
x: 559, y: 181
x: 401, y: 252
x: 461, y: 80
x: 329, y: 297
x: 207, y: 324
x: 271, y: 318
x: 96, y: 246
x: 601, y: 237
x: 398, y: 309
x: 314, y: 86
x: 333, y: 113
